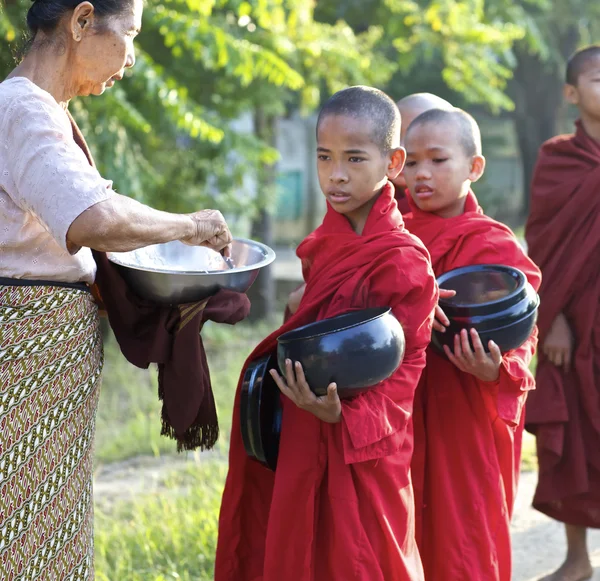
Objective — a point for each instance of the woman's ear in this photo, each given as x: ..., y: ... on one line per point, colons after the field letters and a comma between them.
x: 82, y: 20
x: 397, y: 159
x: 477, y: 168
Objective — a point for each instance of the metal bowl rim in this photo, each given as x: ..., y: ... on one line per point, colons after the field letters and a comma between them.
x: 268, y: 259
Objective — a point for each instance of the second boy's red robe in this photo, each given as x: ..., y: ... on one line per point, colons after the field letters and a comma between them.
x: 340, y: 506
x: 468, y: 432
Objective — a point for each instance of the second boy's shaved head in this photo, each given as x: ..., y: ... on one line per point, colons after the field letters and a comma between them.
x: 469, y: 135
x: 372, y: 105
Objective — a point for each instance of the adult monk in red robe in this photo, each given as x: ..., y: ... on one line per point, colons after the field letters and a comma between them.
x: 410, y: 108
x: 563, y: 235
x: 468, y: 413
x: 340, y: 505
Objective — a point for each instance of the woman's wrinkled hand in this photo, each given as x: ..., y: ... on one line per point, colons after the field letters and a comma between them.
x: 558, y: 346
x: 440, y: 321
x: 484, y: 366
x: 211, y: 230
x: 327, y: 408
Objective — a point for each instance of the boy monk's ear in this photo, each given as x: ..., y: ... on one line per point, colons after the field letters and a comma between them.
x: 571, y: 95
x: 477, y: 168
x: 397, y: 159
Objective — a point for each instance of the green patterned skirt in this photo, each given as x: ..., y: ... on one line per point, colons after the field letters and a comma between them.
x: 50, y: 365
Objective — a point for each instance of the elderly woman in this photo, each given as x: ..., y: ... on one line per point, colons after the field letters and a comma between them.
x: 54, y: 208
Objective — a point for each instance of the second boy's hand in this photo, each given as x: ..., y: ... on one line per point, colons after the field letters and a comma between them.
x: 294, y: 386
x: 484, y: 366
x: 440, y: 321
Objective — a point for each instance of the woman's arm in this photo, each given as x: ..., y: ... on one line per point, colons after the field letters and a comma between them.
x: 119, y: 224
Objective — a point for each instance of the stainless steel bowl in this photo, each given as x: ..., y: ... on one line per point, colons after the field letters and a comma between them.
x: 175, y: 273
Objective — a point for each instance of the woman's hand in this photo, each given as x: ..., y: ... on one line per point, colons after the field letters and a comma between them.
x: 558, y: 346
x: 440, y: 321
x: 211, y: 231
x: 327, y: 408
x: 484, y: 366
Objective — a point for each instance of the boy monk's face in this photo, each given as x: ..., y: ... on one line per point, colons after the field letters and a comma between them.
x: 586, y: 95
x: 352, y: 168
x: 438, y: 170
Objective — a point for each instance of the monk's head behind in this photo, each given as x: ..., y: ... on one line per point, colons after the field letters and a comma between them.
x: 582, y: 87
x: 358, y: 150
x: 443, y: 158
x: 410, y: 108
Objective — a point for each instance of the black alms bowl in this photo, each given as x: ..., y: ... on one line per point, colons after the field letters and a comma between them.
x: 261, y: 412
x: 495, y: 300
x: 356, y: 350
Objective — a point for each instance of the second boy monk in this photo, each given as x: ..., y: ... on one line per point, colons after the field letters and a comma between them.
x: 340, y: 505
x: 469, y: 407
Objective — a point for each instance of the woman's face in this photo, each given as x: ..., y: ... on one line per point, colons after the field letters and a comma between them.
x: 103, y: 47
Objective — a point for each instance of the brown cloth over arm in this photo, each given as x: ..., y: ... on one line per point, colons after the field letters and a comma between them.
x: 169, y: 336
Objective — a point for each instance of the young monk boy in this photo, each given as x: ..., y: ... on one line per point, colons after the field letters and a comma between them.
x: 340, y: 505
x: 410, y: 108
x: 563, y: 235
x: 468, y: 408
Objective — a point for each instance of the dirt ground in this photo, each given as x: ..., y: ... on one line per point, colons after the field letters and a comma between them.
x: 538, y: 542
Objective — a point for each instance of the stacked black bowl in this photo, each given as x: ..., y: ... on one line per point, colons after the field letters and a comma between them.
x: 495, y: 300
x: 357, y: 351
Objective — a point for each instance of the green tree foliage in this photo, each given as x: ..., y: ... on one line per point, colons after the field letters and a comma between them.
x: 165, y: 134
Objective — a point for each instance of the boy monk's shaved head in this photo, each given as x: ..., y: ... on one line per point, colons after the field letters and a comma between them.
x: 413, y: 105
x: 422, y: 102
x: 468, y: 131
x: 580, y: 62
x: 372, y: 105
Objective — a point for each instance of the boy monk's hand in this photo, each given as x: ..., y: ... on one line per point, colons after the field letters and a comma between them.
x: 327, y: 408
x: 440, y: 321
x: 559, y: 343
x: 484, y: 366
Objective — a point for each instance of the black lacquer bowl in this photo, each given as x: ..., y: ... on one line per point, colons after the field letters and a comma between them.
x: 260, y: 412
x: 356, y: 350
x: 495, y: 300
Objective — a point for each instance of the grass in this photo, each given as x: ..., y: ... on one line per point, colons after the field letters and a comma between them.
x: 128, y: 422
x: 171, y: 534
x: 164, y: 536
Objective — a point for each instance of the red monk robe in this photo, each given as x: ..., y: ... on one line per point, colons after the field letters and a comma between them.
x: 563, y: 235
x: 402, y: 195
x: 468, y: 432
x: 340, y: 506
